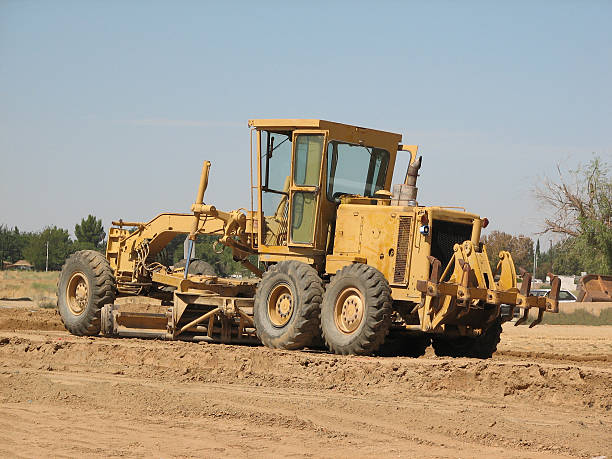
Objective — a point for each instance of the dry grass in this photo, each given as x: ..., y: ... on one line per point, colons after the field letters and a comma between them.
x: 39, y: 287
x: 579, y: 317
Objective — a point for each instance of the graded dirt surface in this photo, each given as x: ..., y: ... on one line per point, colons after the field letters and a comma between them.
x: 546, y: 393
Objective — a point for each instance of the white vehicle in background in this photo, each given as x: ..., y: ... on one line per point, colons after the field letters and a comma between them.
x: 565, y: 296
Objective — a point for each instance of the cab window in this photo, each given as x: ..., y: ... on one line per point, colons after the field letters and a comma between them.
x: 306, y: 170
x: 355, y: 169
x: 275, y: 174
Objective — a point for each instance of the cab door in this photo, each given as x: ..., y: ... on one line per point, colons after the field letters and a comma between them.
x: 305, y: 191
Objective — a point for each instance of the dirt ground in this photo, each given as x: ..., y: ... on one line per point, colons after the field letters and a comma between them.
x: 546, y: 393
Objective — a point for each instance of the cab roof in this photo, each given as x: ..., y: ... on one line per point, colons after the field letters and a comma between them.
x: 291, y: 124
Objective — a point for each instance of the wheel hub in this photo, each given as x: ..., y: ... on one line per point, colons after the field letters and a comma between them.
x: 280, y: 305
x: 349, y: 310
x: 77, y: 293
x: 284, y: 304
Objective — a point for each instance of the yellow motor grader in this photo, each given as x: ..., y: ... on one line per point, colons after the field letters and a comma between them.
x: 344, y: 258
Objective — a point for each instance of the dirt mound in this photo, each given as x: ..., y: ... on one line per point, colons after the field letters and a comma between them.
x: 30, y: 319
x: 216, y: 363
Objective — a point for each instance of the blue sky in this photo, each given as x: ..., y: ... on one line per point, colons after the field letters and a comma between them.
x: 110, y: 107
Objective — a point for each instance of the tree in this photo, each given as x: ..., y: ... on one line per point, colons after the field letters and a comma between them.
x: 223, y: 262
x: 12, y: 243
x: 60, y: 246
x: 90, y: 233
x: 581, y: 212
x: 521, y: 248
x: 175, y: 248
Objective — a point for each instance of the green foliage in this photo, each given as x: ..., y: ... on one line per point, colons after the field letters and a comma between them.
x: 12, y: 243
x: 204, y: 249
x: 78, y: 245
x: 60, y: 246
x: 582, y: 210
x: 175, y: 249
x: 15, y: 245
x: 592, y: 247
x: 90, y: 232
x: 580, y: 254
x: 223, y: 262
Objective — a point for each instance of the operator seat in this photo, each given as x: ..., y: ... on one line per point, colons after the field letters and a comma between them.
x: 275, y: 226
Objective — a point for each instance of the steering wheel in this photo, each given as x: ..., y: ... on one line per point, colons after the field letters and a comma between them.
x: 337, y: 195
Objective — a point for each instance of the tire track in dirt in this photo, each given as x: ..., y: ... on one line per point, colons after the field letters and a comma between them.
x: 442, y: 407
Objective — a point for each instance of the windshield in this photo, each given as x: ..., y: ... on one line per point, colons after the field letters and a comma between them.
x: 355, y: 169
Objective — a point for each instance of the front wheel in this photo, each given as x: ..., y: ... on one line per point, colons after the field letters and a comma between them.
x: 356, y: 310
x: 85, y: 285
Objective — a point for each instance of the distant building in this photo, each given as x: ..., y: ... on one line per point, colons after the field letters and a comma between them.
x: 567, y: 282
x: 22, y: 265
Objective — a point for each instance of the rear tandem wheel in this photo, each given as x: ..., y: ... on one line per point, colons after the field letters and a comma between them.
x: 356, y: 310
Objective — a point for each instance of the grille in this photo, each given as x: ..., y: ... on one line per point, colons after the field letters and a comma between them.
x: 444, y: 235
x: 402, y: 249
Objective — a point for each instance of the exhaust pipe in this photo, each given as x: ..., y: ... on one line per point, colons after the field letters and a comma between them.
x: 405, y: 194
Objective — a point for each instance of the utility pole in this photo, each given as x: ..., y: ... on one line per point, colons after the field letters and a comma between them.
x: 537, y: 254
x: 550, y: 253
x: 47, y: 261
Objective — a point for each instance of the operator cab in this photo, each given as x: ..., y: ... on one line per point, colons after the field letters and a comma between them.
x: 304, y: 167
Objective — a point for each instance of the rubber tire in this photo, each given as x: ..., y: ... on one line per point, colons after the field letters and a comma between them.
x: 481, y: 347
x: 197, y: 267
x: 94, y: 266
x: 375, y: 324
x: 306, y: 287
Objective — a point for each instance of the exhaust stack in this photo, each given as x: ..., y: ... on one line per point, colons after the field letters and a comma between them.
x: 405, y: 194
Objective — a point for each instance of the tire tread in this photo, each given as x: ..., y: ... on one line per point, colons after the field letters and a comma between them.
x: 103, y: 291
x: 378, y: 313
x: 304, y: 329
